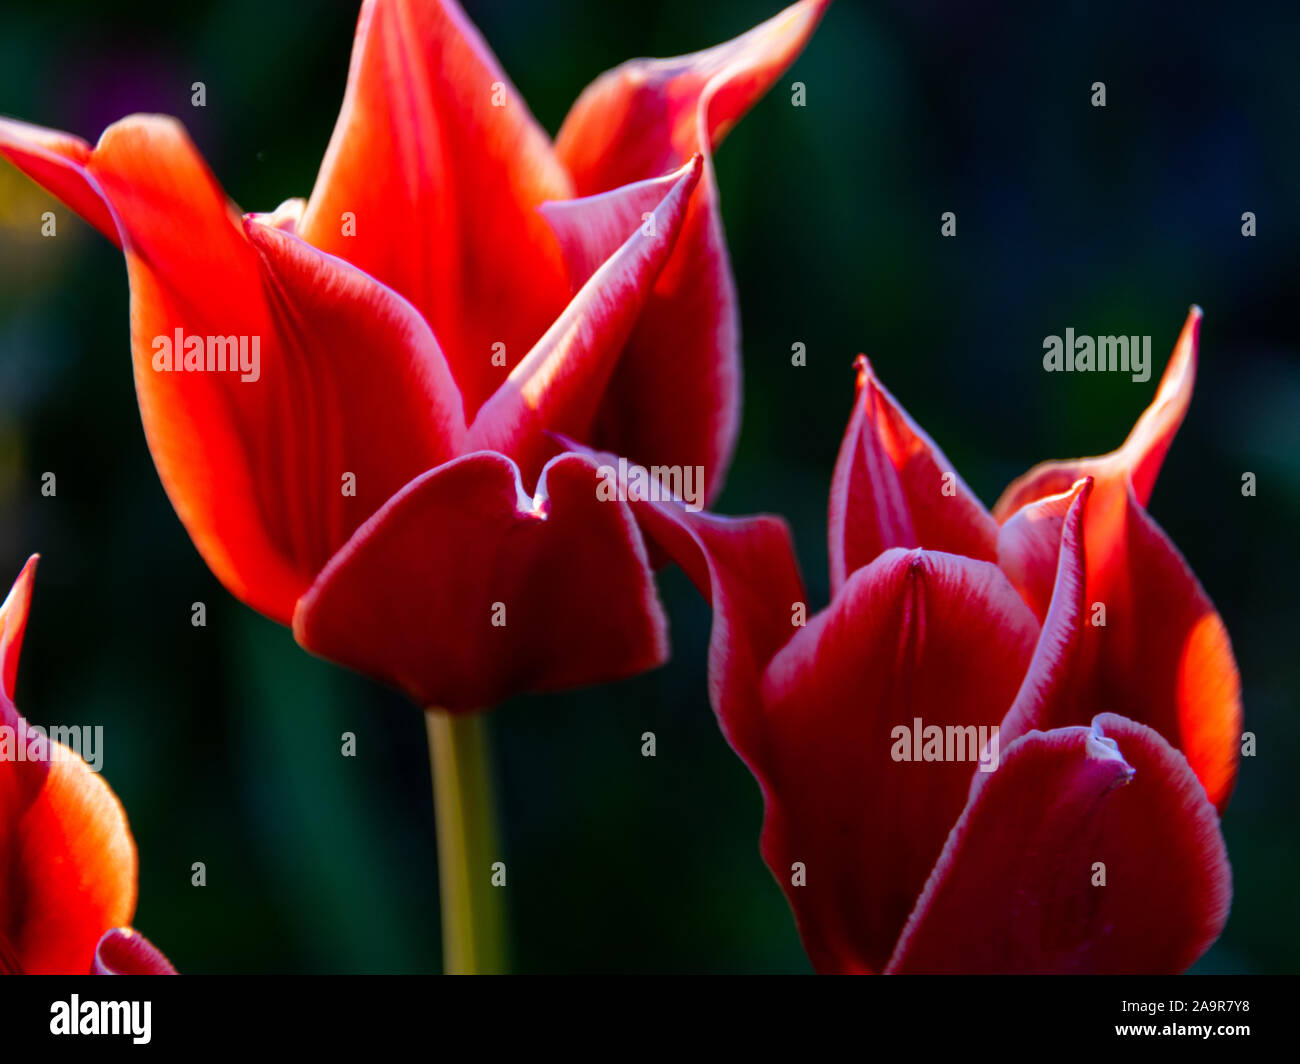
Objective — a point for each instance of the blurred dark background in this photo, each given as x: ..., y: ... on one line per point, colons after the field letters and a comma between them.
x: 223, y: 742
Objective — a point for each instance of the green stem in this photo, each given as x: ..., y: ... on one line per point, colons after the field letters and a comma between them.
x: 473, y: 940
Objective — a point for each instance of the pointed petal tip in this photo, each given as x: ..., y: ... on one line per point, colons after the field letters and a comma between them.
x: 798, y: 20
x: 690, y: 173
x: 862, y: 369
x: 1077, y: 498
x: 13, y: 625
x: 1139, y: 458
x: 1101, y: 747
x: 894, y: 487
x: 29, y: 567
x: 138, y: 120
x: 559, y: 385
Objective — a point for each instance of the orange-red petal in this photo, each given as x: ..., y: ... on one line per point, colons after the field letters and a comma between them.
x: 74, y: 869
x: 893, y: 487
x: 1030, y: 548
x: 439, y: 165
x: 675, y: 396
x: 559, y: 384
x: 349, y: 380
x: 1142, y: 454
x: 13, y: 626
x: 1151, y: 645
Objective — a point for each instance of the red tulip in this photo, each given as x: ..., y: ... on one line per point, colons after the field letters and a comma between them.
x: 456, y: 288
x: 67, y: 859
x: 1087, y: 838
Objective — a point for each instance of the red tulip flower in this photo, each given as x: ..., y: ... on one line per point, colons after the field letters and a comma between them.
x: 67, y: 859
x: 349, y: 399
x: 1003, y: 745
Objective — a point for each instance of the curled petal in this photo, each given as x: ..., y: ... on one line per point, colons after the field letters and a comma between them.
x: 1031, y: 550
x: 123, y: 951
x: 745, y: 568
x: 1089, y: 850
x: 651, y: 115
x: 190, y: 267
x: 1162, y: 655
x: 591, y: 229
x: 1048, y: 697
x: 286, y: 217
x: 1136, y: 635
x: 1142, y: 454
x: 462, y: 590
x: 894, y: 488
x: 347, y: 378
x: 1152, y: 646
x: 439, y: 167
x: 358, y: 398
x: 918, y: 644
x: 74, y: 869
x: 60, y: 163
x: 559, y: 385
x: 674, y: 398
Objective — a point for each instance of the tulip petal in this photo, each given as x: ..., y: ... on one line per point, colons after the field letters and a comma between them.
x: 1163, y: 656
x: 1030, y: 549
x: 649, y: 116
x: 916, y: 641
x: 75, y: 865
x: 24, y: 760
x: 189, y: 266
x: 893, y: 487
x: 1017, y: 887
x: 1152, y: 647
x: 461, y: 590
x: 123, y: 951
x: 1138, y: 636
x: 559, y: 385
x: 1048, y: 696
x: 13, y: 626
x: 590, y: 229
x: 746, y: 570
x: 441, y: 168
x: 60, y: 163
x: 674, y: 398
x: 350, y: 379
x: 67, y: 859
x: 1142, y: 454
x: 359, y: 380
